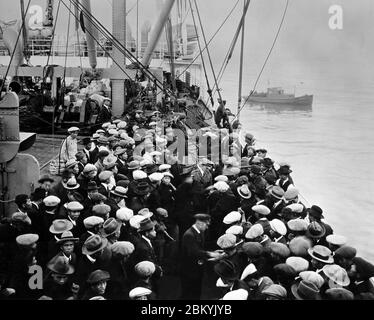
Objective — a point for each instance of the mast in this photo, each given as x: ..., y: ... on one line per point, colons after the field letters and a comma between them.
x: 91, y: 33
x: 157, y: 31
x: 241, y: 62
x: 24, y: 33
x: 171, y: 52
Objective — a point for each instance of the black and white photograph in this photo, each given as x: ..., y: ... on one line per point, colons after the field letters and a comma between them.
x: 186, y: 150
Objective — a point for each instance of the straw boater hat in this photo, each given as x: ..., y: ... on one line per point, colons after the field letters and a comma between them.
x: 71, y: 184
x: 337, y: 275
x: 120, y: 192
x: 67, y: 236
x: 321, y: 253
x: 244, y: 192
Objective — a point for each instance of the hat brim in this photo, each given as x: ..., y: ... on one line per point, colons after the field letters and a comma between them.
x: 329, y: 261
x: 298, y: 297
x: 321, y: 235
x: 67, y: 239
x: 68, y: 272
x: 147, y: 228
x: 46, y: 179
x: 242, y: 195
x: 105, y: 235
x: 119, y: 194
x: 103, y: 245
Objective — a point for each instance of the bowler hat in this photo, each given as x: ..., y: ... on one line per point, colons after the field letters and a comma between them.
x: 268, y: 162
x: 94, y: 244
x: 305, y: 290
x: 285, y: 170
x: 346, y: 252
x: 86, y: 141
x: 316, y: 212
x: 60, y: 265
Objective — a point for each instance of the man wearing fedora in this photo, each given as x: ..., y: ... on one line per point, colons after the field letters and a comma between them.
x: 285, y: 180
x: 67, y: 244
x: 91, y: 153
x: 95, y: 256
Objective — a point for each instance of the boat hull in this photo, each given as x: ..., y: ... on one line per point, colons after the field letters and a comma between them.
x: 303, y: 100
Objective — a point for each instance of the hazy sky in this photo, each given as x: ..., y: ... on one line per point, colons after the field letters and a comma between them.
x: 305, y: 36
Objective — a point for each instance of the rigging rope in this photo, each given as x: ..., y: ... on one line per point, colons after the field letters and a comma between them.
x: 202, y: 57
x: 211, y: 39
x: 67, y: 47
x: 116, y: 43
x: 266, y: 60
x: 207, y: 49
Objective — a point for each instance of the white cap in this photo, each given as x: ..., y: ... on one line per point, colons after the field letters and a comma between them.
x: 239, y: 294
x: 255, y: 231
x: 72, y: 129
x: 248, y: 270
x: 124, y: 214
x: 278, y: 226
x: 135, y: 221
x: 139, y: 292
x: 235, y: 230
x: 156, y: 177
x: 139, y: 175
x: 232, y: 217
x: 221, y: 186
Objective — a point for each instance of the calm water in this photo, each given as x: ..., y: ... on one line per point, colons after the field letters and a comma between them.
x: 330, y: 147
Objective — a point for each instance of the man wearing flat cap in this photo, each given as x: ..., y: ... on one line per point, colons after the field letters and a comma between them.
x: 194, y: 256
x: 69, y: 146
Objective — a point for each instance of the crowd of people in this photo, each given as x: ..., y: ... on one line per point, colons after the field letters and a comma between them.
x: 119, y: 221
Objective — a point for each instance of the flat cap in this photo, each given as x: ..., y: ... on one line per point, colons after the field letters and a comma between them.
x: 279, y: 249
x: 163, y: 167
x: 74, y: 206
x: 298, y: 263
x: 97, y: 197
x: 235, y: 230
x: 226, y: 241
x: 284, y: 270
x: 124, y: 214
x: 27, y: 240
x: 109, y: 162
x: 261, y: 209
x: 296, y: 207
x: 122, y: 248
x: 92, y: 221
x: 139, y: 175
x: 275, y: 290
x: 97, y: 276
x: 51, y: 201
x: 221, y: 186
x: 221, y: 178
x: 100, y: 209
x: 105, y: 175
x: 239, y: 294
x: 89, y: 167
x: 252, y: 249
x: 299, y: 246
x: 73, y: 129
x: 278, y: 226
x: 156, y: 177
x: 232, y: 217
x: 313, y: 277
x: 135, y: 221
x: 255, y: 231
x: 21, y: 217
x: 298, y: 225
x: 145, y: 268
x: 339, y: 294
x: 139, y: 292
